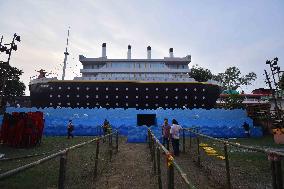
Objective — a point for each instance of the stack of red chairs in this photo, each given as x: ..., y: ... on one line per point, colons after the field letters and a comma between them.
x: 22, y: 129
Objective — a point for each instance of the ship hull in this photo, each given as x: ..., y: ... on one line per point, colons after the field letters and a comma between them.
x: 124, y: 94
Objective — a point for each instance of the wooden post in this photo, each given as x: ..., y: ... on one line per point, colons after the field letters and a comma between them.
x: 227, y: 166
x: 116, y: 141
x: 198, y: 151
x: 190, y: 139
x: 278, y: 171
x: 62, y: 170
x: 159, y: 168
x: 183, y: 141
x: 171, y: 176
x: 273, y: 175
x: 154, y: 158
x: 97, y: 158
x: 110, y: 146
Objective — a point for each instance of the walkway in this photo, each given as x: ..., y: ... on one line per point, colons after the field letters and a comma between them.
x: 130, y: 168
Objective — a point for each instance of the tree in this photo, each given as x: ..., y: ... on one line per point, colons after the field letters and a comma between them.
x: 234, y: 101
x: 231, y: 79
x: 200, y: 74
x: 281, y: 82
x: 13, y: 86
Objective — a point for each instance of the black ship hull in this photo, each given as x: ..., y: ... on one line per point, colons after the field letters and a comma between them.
x: 124, y: 94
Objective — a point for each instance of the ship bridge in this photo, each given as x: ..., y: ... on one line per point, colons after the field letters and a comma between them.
x: 102, y: 68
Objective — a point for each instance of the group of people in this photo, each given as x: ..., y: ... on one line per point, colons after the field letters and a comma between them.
x: 70, y: 128
x: 171, y: 132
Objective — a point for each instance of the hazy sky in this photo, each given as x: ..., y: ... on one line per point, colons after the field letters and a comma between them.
x: 217, y: 34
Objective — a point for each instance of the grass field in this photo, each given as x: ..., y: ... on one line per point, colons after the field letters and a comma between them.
x: 80, y: 164
x: 248, y: 169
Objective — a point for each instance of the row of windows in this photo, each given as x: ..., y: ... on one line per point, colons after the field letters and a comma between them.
x: 147, y: 97
x: 137, y: 89
x: 117, y: 104
x: 135, y: 65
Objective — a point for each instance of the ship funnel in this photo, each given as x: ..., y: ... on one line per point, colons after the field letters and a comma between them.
x: 148, y: 52
x: 129, y: 52
x: 171, y: 52
x: 104, y: 50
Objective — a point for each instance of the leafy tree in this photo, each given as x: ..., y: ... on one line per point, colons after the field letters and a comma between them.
x: 234, y: 101
x: 13, y: 86
x: 281, y: 82
x: 231, y: 79
x: 200, y: 74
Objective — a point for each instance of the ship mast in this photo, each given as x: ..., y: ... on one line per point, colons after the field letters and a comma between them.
x: 65, y: 57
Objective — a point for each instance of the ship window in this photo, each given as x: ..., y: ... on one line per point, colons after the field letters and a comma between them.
x: 176, y: 97
x: 97, y: 96
x: 147, y: 89
x: 195, y: 89
x: 78, y: 96
x: 136, y: 96
x: 157, y: 97
x: 106, y: 89
x: 195, y: 97
x: 78, y: 103
x: 126, y: 97
x: 185, y: 97
x: 78, y: 88
x: 59, y: 88
x: 126, y: 89
x: 50, y: 104
x: 202, y: 105
x: 97, y: 88
x: 146, y: 104
x: 156, y: 104
x: 106, y: 96
x: 147, y: 97
x: 166, y: 104
x: 175, y: 104
x: 116, y: 89
x: 51, y: 88
x: 166, y: 97
x: 116, y: 97
x: 68, y: 88
x: 50, y: 96
x: 203, y: 97
x: 58, y: 96
x: 68, y: 103
x: 59, y: 103
x: 87, y: 96
x: 88, y: 103
x: 167, y: 89
x: 136, y: 89
x: 203, y: 90
x: 87, y: 88
x: 136, y: 104
x: 116, y: 104
x: 157, y: 89
x: 126, y: 104
x: 67, y: 96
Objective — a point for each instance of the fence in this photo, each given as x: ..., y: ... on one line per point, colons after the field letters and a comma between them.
x: 155, y: 150
x: 69, y: 173
x: 244, y: 166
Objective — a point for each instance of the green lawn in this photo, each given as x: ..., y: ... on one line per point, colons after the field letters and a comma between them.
x: 80, y: 164
x: 249, y: 169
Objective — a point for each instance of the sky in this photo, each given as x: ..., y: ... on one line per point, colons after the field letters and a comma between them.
x: 216, y: 33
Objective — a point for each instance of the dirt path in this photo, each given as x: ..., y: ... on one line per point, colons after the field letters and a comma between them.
x: 130, y: 168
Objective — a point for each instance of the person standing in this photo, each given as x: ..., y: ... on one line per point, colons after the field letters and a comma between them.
x: 174, y: 131
x: 70, y: 129
x: 247, y: 129
x: 166, y: 133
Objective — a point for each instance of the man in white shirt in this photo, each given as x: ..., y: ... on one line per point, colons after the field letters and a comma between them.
x: 175, y: 129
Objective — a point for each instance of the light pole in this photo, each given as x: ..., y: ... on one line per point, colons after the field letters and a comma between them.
x: 8, y: 51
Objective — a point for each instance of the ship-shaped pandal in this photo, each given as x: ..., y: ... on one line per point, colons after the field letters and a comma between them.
x: 126, y: 83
